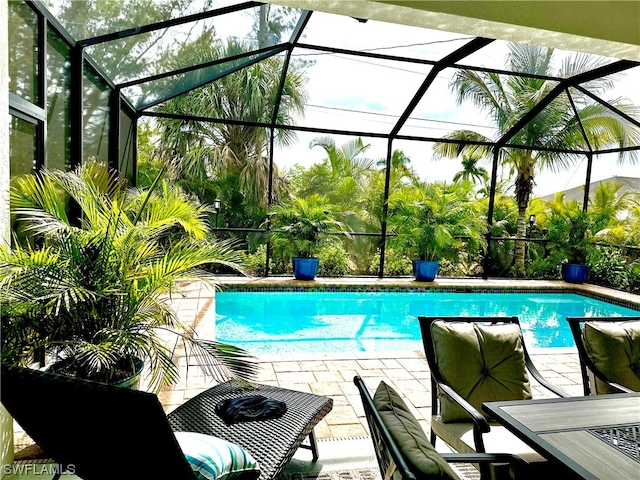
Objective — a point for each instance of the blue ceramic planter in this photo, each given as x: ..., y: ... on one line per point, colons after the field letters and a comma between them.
x: 425, y: 270
x: 574, y: 272
x: 305, y: 268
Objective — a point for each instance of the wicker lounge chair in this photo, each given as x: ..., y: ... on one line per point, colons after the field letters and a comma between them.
x: 105, y: 432
x: 402, y: 449
x: 272, y: 442
x: 609, y: 352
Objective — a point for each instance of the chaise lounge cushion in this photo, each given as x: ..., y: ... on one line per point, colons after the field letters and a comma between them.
x: 481, y: 362
x: 614, y: 348
x: 408, y: 435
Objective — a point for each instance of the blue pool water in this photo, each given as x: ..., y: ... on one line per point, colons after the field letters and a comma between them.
x: 289, y: 322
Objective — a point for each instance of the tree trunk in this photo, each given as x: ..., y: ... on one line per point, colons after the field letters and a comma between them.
x: 520, y: 248
x: 523, y: 188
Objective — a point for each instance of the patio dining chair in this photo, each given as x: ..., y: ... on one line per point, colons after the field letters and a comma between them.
x: 101, y: 432
x: 609, y: 352
x: 402, y: 449
x: 473, y: 360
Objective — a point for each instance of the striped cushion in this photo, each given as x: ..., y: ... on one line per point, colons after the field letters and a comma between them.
x: 212, y: 458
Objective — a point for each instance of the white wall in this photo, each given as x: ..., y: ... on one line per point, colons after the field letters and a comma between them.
x: 6, y: 423
x: 4, y: 120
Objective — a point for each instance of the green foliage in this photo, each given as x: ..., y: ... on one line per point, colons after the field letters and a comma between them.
x: 96, y: 294
x: 301, y: 226
x: 451, y: 269
x: 546, y: 266
x: 609, y: 267
x: 571, y: 230
x: 231, y: 161
x: 396, y: 264
x: 334, y: 261
x: 148, y: 171
x: 432, y: 219
x: 559, y: 125
x: 633, y: 275
x: 255, y: 263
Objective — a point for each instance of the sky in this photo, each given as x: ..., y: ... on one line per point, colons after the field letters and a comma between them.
x: 339, y: 86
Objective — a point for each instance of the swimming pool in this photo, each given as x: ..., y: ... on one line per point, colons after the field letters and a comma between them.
x: 290, y: 322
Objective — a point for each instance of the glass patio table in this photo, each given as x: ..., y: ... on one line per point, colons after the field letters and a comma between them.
x: 594, y: 438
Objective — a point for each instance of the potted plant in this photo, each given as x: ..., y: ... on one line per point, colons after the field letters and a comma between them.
x: 92, y: 296
x: 300, y: 226
x: 435, y: 222
x: 571, y: 231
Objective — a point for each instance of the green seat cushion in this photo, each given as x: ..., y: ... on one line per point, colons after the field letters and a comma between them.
x: 422, y: 459
x: 481, y: 362
x: 614, y: 348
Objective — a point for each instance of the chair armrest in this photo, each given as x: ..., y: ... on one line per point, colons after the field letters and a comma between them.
x: 620, y: 388
x: 542, y: 381
x: 482, y: 458
x: 590, y: 367
x: 480, y: 422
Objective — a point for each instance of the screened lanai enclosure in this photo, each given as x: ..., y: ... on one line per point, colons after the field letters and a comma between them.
x: 387, y: 129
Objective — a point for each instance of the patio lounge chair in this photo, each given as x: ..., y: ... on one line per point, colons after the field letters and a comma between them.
x: 402, y: 448
x: 101, y: 432
x: 475, y: 360
x: 609, y: 351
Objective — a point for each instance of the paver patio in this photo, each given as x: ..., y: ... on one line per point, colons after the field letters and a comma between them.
x: 332, y: 374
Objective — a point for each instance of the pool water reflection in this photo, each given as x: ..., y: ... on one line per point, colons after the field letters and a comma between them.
x: 289, y: 322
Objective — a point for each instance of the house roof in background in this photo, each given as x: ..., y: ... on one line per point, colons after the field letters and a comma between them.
x: 577, y: 193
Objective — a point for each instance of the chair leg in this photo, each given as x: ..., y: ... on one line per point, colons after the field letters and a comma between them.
x: 313, y: 445
x: 433, y: 438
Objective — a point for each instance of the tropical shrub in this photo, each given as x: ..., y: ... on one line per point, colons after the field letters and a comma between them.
x: 547, y: 265
x: 396, y: 264
x: 301, y: 226
x: 437, y: 222
x: 93, y: 293
x: 609, y: 267
x: 334, y: 261
x: 571, y: 230
x: 255, y: 262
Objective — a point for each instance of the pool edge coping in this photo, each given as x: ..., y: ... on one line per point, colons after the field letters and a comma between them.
x: 363, y: 284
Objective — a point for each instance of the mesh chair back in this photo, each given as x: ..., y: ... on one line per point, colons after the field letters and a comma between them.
x: 97, y: 431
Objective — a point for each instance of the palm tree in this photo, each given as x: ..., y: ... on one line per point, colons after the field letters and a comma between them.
x: 345, y: 161
x: 507, y: 99
x: 614, y: 211
x: 471, y: 171
x: 609, y: 203
x: 302, y: 225
x: 207, y: 154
